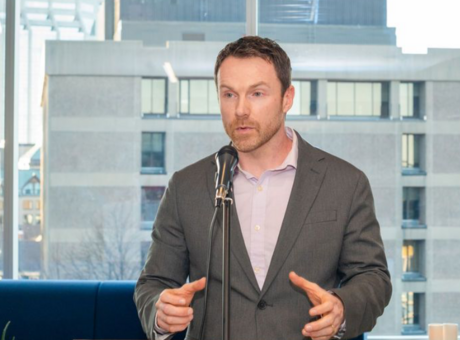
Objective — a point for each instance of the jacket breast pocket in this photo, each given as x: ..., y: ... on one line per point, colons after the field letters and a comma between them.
x: 321, y: 216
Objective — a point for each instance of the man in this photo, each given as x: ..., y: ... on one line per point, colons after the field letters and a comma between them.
x: 307, y: 259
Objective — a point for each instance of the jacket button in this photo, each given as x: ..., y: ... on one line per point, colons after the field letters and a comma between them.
x: 262, y: 305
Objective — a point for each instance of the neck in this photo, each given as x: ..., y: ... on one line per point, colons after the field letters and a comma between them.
x: 268, y: 156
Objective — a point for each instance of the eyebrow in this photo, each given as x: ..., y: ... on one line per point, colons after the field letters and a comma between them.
x: 261, y: 83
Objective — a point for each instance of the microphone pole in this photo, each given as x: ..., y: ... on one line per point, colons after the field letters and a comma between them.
x: 226, y: 160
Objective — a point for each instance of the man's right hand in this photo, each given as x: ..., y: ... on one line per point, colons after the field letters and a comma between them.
x: 173, y: 307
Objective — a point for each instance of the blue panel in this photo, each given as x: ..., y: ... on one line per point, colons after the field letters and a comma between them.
x: 116, y: 314
x: 48, y: 310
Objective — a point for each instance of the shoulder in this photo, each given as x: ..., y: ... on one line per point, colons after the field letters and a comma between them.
x: 194, y: 175
x: 334, y: 166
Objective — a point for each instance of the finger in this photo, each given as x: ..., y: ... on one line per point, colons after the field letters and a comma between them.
x: 195, y: 286
x: 326, y: 332
x: 318, y: 335
x: 173, y: 320
x: 324, y: 308
x: 171, y: 296
x: 303, y: 283
x: 326, y: 337
x: 171, y: 328
x: 314, y: 292
x: 323, y: 334
x: 172, y: 310
x: 325, y: 323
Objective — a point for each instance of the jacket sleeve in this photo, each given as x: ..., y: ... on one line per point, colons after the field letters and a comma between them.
x: 167, y: 263
x: 365, y: 287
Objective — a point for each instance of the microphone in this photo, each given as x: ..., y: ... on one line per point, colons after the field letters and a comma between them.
x: 226, y: 160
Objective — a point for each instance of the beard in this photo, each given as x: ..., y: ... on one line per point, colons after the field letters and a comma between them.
x: 254, y: 139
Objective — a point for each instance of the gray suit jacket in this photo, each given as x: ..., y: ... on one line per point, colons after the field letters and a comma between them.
x: 329, y: 235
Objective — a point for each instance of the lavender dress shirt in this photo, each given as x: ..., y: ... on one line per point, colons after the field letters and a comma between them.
x: 261, y: 205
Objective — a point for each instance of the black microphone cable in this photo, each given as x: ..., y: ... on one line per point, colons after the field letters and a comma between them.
x: 208, y: 270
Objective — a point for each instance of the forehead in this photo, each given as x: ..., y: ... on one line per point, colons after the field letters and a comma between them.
x: 246, y: 70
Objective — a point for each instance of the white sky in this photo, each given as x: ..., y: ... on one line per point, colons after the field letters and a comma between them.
x: 422, y: 24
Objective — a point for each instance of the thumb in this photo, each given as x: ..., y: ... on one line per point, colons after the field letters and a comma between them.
x: 195, y: 286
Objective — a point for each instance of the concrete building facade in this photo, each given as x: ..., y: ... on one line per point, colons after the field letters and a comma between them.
x: 95, y: 131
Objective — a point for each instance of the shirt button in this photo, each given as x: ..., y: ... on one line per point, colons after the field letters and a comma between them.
x: 260, y: 188
x: 257, y: 269
x: 257, y: 227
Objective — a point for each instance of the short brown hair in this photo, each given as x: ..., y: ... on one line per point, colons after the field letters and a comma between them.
x: 254, y: 46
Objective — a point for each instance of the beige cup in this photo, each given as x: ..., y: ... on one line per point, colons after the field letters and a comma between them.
x: 436, y: 331
x: 450, y: 331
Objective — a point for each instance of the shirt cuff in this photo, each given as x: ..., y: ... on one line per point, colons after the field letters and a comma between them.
x: 343, y: 327
x: 341, y: 332
x: 160, y: 333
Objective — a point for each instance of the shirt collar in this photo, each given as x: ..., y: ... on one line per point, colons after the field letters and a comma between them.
x: 290, y: 162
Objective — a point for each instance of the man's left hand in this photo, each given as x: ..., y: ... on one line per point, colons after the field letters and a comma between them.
x: 327, y: 306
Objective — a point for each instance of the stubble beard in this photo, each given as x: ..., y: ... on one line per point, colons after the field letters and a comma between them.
x: 254, y: 140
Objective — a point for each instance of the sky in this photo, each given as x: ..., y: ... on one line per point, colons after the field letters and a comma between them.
x: 423, y: 24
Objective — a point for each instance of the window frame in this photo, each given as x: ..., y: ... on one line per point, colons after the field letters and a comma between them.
x: 152, y: 114
x: 188, y: 113
x: 384, y: 100
x: 154, y: 170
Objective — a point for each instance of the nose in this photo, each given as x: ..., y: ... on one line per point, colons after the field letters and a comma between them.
x: 242, y: 108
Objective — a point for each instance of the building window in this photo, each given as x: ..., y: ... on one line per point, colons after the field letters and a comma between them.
x: 412, y: 310
x: 305, y: 98
x: 198, y: 96
x: 412, y: 259
x: 409, y: 99
x: 154, y: 94
x: 27, y: 204
x: 362, y: 99
x: 412, y: 146
x: 153, y: 152
x: 413, y: 202
x: 150, y: 201
x: 28, y: 219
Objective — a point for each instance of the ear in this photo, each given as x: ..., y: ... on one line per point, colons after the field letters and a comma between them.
x: 288, y: 98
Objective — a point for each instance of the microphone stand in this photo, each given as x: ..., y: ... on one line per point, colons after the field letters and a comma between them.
x: 226, y: 269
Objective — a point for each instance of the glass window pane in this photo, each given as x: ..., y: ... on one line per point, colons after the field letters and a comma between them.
x: 410, y: 150
x: 151, y: 197
x: 363, y: 99
x: 410, y: 256
x: 2, y: 123
x: 305, y: 97
x: 153, y: 151
x: 411, y: 309
x: 411, y: 204
x: 404, y: 99
x: 184, y: 95
x: 410, y: 101
x: 345, y: 99
x: 214, y: 107
x: 158, y: 96
x: 377, y: 99
x: 198, y: 96
x: 405, y: 159
x: 146, y: 95
x: 295, y: 109
x: 331, y: 98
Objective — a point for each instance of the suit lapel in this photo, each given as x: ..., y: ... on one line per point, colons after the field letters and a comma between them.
x: 310, y: 172
x: 237, y: 245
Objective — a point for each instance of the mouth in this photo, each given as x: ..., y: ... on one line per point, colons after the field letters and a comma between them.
x: 244, y: 128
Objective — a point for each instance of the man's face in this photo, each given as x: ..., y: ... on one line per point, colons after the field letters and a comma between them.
x: 251, y: 104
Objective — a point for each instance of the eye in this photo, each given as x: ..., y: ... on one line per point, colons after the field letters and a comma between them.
x: 258, y: 94
x: 228, y: 95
